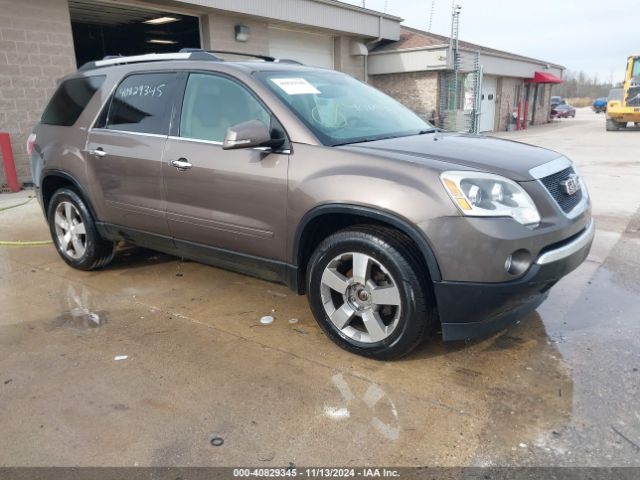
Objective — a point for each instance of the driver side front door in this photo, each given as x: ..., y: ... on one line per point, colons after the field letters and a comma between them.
x: 223, y: 205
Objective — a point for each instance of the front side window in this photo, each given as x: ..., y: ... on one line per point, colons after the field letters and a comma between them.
x: 214, y: 103
x: 70, y: 100
x: 339, y: 109
x: 142, y: 103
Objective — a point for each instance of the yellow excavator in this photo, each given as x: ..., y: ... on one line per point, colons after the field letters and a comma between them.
x: 623, y: 105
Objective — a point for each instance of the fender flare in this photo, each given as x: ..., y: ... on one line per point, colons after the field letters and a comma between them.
x: 383, y: 216
x: 76, y: 184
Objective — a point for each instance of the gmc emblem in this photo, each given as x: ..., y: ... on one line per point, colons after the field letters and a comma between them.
x: 570, y: 185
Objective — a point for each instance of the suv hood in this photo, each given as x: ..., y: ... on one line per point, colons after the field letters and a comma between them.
x: 468, y: 152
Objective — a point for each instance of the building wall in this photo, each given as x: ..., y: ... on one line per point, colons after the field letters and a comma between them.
x: 218, y: 32
x: 344, y: 61
x: 417, y: 91
x: 543, y: 105
x: 36, y: 49
x: 507, y: 101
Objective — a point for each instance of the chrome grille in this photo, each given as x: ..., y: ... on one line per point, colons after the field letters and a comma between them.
x: 552, y: 183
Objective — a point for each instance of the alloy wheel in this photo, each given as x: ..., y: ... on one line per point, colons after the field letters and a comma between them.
x: 360, y: 297
x: 70, y: 230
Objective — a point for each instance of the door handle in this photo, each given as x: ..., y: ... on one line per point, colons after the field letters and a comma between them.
x: 98, y: 152
x: 181, y: 164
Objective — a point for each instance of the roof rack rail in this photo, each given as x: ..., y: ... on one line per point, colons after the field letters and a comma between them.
x: 183, y: 54
x: 266, y: 58
x: 110, y: 60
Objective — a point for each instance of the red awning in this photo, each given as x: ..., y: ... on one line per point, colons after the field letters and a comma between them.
x: 544, y: 77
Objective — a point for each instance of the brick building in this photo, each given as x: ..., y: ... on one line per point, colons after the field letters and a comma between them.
x: 415, y: 70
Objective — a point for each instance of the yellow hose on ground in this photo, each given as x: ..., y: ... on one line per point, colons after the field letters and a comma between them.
x: 20, y: 243
x: 14, y: 206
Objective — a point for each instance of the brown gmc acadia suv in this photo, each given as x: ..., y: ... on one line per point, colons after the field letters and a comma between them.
x: 308, y: 177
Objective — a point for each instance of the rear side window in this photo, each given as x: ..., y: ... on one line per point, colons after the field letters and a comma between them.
x: 142, y: 103
x: 70, y: 100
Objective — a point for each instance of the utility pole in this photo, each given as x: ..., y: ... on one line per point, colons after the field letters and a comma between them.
x: 433, y: 8
x: 453, y: 58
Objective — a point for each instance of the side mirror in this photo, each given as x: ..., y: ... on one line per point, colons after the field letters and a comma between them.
x: 249, y: 134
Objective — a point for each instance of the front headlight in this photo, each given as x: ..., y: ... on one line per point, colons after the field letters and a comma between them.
x: 486, y: 195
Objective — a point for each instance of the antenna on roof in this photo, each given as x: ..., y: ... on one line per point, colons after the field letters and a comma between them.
x: 433, y: 8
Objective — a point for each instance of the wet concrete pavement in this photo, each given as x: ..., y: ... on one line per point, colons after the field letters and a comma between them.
x: 142, y: 363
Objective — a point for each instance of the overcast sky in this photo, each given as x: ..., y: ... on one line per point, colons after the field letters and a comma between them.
x: 595, y: 36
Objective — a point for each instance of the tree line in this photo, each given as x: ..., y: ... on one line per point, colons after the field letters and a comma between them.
x: 580, y: 85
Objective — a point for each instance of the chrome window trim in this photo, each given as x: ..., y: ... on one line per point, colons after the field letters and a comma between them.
x: 195, y: 140
x: 570, y: 248
x: 213, y: 142
x: 549, y: 168
x: 142, y: 134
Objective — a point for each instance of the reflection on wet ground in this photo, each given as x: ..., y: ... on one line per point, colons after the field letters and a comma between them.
x: 156, y: 361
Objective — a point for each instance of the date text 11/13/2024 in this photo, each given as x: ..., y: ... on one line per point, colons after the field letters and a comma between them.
x: 292, y: 471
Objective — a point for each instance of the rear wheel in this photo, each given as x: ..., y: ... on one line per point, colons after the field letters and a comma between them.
x: 369, y: 293
x: 74, y: 232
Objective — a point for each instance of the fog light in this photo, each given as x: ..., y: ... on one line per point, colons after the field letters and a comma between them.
x: 518, y: 262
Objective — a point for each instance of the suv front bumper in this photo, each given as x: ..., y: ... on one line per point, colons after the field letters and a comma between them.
x: 470, y: 309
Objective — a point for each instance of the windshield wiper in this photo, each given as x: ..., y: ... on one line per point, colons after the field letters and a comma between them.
x: 428, y: 130
x: 366, y: 139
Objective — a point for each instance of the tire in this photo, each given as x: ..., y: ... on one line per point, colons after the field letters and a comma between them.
x: 383, y: 331
x: 612, y: 125
x: 80, y: 246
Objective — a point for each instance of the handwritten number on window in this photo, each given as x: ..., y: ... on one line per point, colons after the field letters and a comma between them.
x: 142, y: 91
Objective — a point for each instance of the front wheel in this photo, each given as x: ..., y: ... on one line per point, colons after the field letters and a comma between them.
x: 369, y: 292
x: 74, y: 232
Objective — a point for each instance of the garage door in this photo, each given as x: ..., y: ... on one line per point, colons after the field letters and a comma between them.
x: 309, y: 48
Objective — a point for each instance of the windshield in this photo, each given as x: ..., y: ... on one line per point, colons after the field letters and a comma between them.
x: 339, y: 109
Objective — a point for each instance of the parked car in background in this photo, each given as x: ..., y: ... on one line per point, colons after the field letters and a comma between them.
x: 557, y: 100
x: 563, y: 111
x: 600, y: 105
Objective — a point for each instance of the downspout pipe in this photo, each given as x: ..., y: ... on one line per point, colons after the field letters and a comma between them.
x: 370, y: 44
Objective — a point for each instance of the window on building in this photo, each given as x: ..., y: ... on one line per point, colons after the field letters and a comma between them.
x: 213, y: 103
x: 142, y: 103
x: 518, y: 93
x: 70, y: 100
